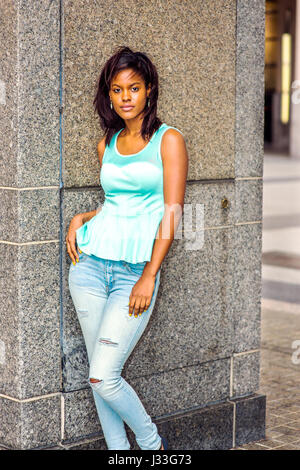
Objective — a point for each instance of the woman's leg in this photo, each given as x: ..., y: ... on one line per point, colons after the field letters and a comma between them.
x: 117, y: 336
x: 88, y: 289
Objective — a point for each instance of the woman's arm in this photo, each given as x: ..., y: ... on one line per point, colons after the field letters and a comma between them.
x: 86, y: 216
x: 175, y: 163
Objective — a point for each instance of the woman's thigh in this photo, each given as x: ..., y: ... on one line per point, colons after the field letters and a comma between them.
x: 118, y: 332
x: 87, y: 285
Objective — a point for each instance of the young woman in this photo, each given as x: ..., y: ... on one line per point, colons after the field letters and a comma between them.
x: 121, y: 247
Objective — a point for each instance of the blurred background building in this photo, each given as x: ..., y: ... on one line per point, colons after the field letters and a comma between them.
x: 282, y: 77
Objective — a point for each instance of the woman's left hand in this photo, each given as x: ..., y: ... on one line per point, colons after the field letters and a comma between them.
x: 141, y: 294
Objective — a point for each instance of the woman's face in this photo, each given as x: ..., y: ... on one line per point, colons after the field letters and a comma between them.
x: 128, y: 94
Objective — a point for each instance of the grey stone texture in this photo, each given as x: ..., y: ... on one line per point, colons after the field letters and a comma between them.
x: 248, y: 198
x: 30, y: 61
x: 29, y: 215
x: 197, y: 363
x: 208, y: 428
x: 250, y: 415
x: 31, y: 424
x: 249, y: 93
x: 245, y: 374
x: 29, y: 320
x: 247, y: 286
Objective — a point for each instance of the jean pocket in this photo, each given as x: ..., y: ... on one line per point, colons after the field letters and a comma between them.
x: 81, y: 255
x: 134, y: 268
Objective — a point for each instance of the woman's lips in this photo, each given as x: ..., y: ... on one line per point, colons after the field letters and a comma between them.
x: 126, y: 108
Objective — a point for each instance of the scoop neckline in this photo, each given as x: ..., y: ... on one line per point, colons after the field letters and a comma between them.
x: 137, y: 153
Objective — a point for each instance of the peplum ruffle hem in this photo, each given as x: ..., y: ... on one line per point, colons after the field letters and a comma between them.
x: 119, y: 237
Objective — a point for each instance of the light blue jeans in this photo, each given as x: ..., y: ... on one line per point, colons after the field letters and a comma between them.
x: 100, y: 291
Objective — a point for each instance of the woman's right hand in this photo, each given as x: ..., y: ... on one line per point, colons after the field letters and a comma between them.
x: 75, y: 223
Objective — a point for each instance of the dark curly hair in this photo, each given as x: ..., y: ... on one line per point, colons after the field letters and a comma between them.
x: 110, y: 121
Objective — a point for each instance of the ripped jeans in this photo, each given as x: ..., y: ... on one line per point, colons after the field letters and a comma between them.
x: 100, y: 291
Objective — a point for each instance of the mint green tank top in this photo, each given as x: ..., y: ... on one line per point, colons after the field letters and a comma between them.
x: 127, y: 225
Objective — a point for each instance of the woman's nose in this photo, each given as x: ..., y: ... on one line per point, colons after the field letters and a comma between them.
x: 126, y: 95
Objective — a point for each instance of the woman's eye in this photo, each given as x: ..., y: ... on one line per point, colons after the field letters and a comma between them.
x: 133, y: 88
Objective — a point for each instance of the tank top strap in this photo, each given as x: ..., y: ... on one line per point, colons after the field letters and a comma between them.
x: 113, y: 139
x: 109, y: 149
x: 163, y: 128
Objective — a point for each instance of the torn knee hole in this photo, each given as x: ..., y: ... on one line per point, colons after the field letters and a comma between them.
x: 94, y: 381
x: 107, y: 341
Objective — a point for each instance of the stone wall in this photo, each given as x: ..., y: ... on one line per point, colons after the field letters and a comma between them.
x: 196, y: 368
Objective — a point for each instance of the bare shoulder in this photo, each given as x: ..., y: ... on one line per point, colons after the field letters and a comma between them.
x: 101, y: 149
x: 172, y: 144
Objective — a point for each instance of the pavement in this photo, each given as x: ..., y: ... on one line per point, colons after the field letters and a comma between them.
x: 280, y: 312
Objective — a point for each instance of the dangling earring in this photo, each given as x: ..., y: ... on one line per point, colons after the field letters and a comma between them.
x: 148, y: 102
x: 111, y: 105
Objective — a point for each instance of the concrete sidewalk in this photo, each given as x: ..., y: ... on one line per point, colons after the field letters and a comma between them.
x: 280, y: 378
x: 280, y: 332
